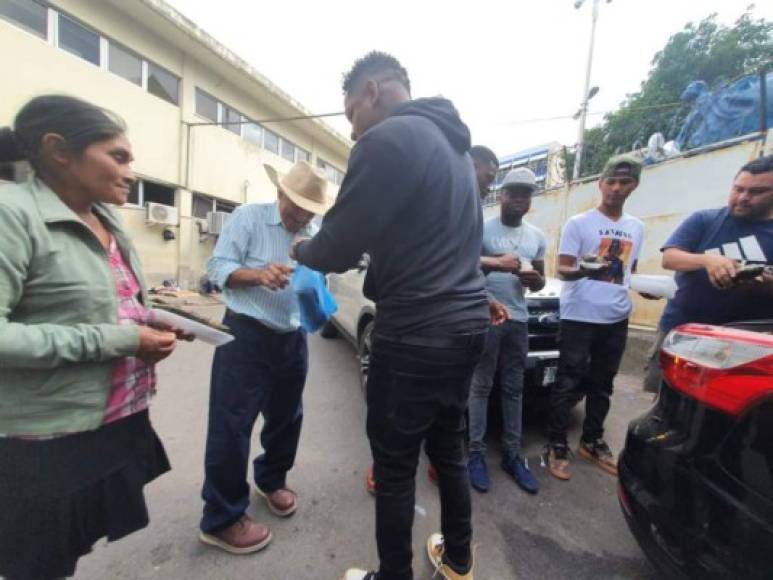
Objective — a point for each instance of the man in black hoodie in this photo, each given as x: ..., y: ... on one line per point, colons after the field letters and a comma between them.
x: 410, y: 200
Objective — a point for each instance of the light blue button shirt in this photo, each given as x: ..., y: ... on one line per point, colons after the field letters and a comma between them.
x: 255, y: 237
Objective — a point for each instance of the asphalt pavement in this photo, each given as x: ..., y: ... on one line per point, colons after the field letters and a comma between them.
x: 569, y: 530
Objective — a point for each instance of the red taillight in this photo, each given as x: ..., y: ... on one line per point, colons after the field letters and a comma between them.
x: 724, y: 368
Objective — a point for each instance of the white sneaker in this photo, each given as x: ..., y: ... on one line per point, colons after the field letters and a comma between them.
x: 357, y: 574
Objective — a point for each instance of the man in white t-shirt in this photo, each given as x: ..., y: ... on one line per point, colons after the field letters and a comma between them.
x: 598, y: 252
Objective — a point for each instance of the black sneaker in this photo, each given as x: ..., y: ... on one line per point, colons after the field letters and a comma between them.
x: 598, y: 452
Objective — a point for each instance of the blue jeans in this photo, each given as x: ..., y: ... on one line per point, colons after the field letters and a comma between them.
x: 507, y: 346
x: 419, y: 394
x: 262, y: 371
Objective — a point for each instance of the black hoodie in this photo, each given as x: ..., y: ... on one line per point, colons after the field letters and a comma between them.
x: 410, y: 200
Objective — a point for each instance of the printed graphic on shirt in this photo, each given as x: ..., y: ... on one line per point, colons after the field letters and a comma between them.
x: 747, y: 248
x: 616, y: 253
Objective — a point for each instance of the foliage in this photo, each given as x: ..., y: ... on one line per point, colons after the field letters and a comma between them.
x: 707, y: 51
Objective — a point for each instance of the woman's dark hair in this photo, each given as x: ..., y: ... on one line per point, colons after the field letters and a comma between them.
x: 78, y: 122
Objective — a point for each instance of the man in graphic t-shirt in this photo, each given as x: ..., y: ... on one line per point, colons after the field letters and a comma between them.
x: 707, y: 250
x: 513, y: 260
x: 597, y: 254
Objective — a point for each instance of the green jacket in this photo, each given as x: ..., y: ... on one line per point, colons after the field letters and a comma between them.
x: 59, y: 331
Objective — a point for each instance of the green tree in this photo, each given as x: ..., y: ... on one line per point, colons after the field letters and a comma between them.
x: 708, y: 51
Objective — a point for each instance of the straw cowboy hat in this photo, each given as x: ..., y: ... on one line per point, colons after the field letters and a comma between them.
x: 304, y: 185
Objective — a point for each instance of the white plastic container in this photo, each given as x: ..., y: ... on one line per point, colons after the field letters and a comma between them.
x: 660, y: 286
x: 201, y: 331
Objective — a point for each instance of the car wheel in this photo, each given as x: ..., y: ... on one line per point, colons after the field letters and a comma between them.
x: 364, y: 353
x: 330, y: 330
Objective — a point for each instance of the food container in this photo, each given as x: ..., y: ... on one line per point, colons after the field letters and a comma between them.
x: 660, y: 286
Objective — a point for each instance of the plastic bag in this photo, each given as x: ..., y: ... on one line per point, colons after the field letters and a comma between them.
x: 316, y: 302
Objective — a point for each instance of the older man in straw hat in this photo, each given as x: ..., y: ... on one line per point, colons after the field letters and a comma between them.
x: 264, y: 369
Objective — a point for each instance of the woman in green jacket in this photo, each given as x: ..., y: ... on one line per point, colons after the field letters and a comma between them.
x: 77, y: 346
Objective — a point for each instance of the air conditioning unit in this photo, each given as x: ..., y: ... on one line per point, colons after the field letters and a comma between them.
x: 216, y: 221
x: 158, y: 213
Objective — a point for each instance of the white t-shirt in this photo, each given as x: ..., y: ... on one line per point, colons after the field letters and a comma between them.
x: 603, y: 299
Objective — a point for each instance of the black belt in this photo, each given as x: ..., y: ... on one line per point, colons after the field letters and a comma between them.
x: 444, y: 341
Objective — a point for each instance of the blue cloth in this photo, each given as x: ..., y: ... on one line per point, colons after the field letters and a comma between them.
x: 526, y: 242
x: 316, y: 303
x: 262, y: 371
x: 717, y: 231
x: 255, y: 237
x: 727, y: 112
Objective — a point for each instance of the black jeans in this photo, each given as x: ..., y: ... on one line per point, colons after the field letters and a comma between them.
x: 589, y: 360
x: 262, y: 371
x: 416, y: 394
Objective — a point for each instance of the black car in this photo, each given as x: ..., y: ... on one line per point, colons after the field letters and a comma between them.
x: 696, y: 473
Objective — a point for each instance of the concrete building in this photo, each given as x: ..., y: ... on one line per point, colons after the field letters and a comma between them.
x: 190, y: 105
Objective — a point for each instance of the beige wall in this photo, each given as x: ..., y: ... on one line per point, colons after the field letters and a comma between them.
x: 154, y: 124
x: 219, y: 163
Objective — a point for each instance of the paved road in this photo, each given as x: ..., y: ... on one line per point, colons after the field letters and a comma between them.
x: 570, y: 530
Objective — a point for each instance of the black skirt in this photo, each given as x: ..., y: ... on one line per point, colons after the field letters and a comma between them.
x: 59, y: 496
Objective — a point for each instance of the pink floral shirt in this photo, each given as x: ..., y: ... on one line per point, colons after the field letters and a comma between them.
x: 133, y: 380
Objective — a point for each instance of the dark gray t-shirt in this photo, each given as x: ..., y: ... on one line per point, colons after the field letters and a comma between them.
x: 528, y: 243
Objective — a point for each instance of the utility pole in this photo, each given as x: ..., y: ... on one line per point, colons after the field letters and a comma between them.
x: 587, y: 94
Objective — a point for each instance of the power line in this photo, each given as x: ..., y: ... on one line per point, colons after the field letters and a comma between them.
x: 340, y: 113
x: 265, y: 121
x: 562, y: 117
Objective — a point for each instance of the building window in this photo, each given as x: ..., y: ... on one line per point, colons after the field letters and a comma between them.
x: 216, y: 111
x: 78, y: 40
x: 288, y: 150
x: 135, y: 195
x: 232, y: 121
x: 226, y: 206
x: 206, y: 105
x: 157, y: 193
x: 253, y: 133
x: 202, y: 205
x: 302, y: 155
x: 163, y: 84
x: 26, y: 14
x: 125, y: 64
x: 271, y: 141
x: 143, y: 192
x: 334, y: 175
